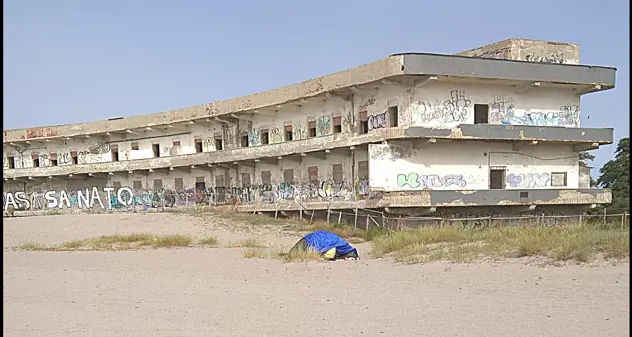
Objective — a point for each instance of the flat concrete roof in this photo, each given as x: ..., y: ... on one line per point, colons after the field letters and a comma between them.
x: 392, y: 66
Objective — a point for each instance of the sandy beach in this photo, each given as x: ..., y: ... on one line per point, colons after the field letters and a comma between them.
x: 216, y: 292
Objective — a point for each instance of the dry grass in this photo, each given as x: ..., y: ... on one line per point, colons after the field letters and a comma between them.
x: 249, y: 243
x: 579, y: 243
x: 118, y: 242
x: 208, y: 241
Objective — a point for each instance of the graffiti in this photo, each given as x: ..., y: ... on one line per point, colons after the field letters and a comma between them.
x: 82, y: 157
x: 495, y: 54
x: 378, y: 121
x: 41, y: 132
x: 550, y: 58
x: 528, y: 180
x: 44, y: 159
x: 254, y: 137
x: 500, y: 108
x: 456, y: 109
x: 323, y: 126
x: 414, y: 180
x: 347, y: 123
x: 64, y: 158
x: 275, y: 136
x: 87, y: 198
x: 99, y: 148
x: 568, y: 115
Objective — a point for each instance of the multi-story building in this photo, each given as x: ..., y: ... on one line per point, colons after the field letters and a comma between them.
x: 495, y: 128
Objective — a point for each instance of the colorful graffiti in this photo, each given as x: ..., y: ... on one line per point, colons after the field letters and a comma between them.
x: 455, y: 109
x: 528, y: 180
x: 414, y: 180
x: 568, y: 115
x: 323, y: 126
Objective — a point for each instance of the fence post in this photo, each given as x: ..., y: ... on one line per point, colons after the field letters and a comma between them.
x: 367, y: 222
x: 623, y: 220
x: 580, y: 219
x: 340, y: 217
x: 300, y: 214
x: 355, y: 219
x: 604, y: 216
x: 383, y: 221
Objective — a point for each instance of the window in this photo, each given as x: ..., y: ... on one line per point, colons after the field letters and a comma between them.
x: 266, y: 177
x: 311, y: 126
x: 176, y: 142
x: 363, y: 126
x: 497, y: 178
x: 116, y: 185
x: 36, y: 162
x: 363, y: 169
x: 265, y: 137
x: 288, y: 133
x: 312, y: 172
x: 156, y: 149
x: 337, y: 124
x: 558, y: 179
x: 178, y: 184
x: 134, y: 145
x: 11, y: 162
x: 337, y: 168
x: 157, y: 184
x: 244, y: 140
x: 219, y: 143
x: 288, y: 176
x: 138, y: 185
x: 481, y: 113
x: 393, y: 114
x: 53, y: 159
x: 198, y: 146
x: 524, y: 194
x: 115, y: 155
x: 245, y: 180
x: 219, y: 180
x: 74, y: 157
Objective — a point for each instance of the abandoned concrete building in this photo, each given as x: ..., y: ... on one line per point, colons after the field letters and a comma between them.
x: 492, y: 129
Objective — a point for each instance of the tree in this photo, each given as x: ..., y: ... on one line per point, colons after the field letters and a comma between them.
x: 615, y: 175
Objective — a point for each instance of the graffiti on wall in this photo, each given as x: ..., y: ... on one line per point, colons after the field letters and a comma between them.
x: 52, y: 199
x: 323, y: 126
x: 495, y: 54
x: 417, y: 181
x: 254, y: 137
x: 555, y: 57
x: 528, y: 180
x: 499, y: 108
x: 275, y: 136
x: 568, y: 115
x: 455, y: 109
x: 378, y: 121
x: 41, y: 132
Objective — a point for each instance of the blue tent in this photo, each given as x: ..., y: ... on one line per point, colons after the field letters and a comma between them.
x: 323, y: 241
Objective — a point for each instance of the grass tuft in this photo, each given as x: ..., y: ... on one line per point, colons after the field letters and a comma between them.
x: 252, y: 253
x: 209, y: 241
x: 31, y: 246
x: 578, y: 243
x: 250, y: 243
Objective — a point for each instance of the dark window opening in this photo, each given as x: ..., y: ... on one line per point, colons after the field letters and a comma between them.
x: 138, y: 185
x: 524, y: 194
x: 288, y: 133
x: 176, y: 143
x: 36, y: 162
x: 481, y: 113
x: 219, y: 144
x: 198, y: 146
x: 53, y: 162
x: 265, y: 137
x: 115, y: 155
x: 288, y: 176
x: 135, y: 146
x: 337, y: 168
x: 266, y: 177
x: 337, y: 124
x: 393, y: 114
x: 11, y: 162
x: 245, y: 180
x: 116, y: 185
x: 156, y: 149
x: 312, y: 172
x: 311, y: 129
x: 497, y: 178
x: 157, y: 184
x: 244, y: 140
x: 363, y: 169
x: 363, y: 126
x: 74, y: 157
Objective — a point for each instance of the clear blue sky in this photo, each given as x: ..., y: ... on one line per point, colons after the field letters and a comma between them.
x: 70, y: 61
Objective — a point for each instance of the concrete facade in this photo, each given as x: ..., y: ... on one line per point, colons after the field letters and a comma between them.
x: 398, y: 133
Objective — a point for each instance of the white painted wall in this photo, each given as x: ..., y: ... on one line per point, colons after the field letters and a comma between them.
x: 408, y: 165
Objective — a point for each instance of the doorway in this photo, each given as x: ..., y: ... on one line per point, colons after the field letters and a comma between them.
x: 156, y: 149
x: 481, y: 113
x: 497, y: 177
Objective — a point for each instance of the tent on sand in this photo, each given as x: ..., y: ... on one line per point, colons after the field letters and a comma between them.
x: 329, y: 245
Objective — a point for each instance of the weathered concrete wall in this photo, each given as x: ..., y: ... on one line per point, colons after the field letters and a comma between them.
x: 416, y: 165
x: 528, y: 50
